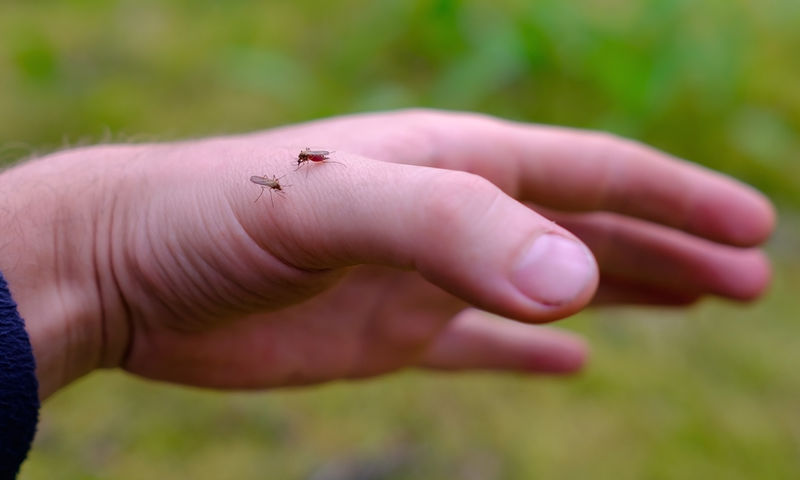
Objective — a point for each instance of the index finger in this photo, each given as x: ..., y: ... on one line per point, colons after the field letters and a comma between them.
x: 562, y: 168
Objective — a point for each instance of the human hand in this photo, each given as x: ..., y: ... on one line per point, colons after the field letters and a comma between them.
x: 155, y: 258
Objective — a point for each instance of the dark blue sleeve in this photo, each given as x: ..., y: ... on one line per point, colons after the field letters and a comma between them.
x: 19, y: 397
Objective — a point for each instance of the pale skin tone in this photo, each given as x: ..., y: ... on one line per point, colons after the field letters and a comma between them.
x: 155, y: 258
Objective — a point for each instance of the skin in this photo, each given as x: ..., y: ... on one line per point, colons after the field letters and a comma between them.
x: 155, y: 258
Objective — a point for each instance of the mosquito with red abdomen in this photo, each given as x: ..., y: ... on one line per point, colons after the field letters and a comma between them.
x: 316, y: 156
x: 272, y: 183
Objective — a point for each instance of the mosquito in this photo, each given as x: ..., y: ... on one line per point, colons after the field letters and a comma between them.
x: 316, y: 156
x: 271, y: 183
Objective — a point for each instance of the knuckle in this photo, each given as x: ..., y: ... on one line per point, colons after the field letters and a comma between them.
x: 613, y: 162
x: 605, y: 144
x: 454, y: 200
x: 422, y: 117
x: 442, y: 137
x: 611, y: 146
x: 431, y: 117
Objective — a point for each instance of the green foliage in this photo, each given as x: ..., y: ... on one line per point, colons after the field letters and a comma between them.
x: 712, y: 81
x: 709, y: 394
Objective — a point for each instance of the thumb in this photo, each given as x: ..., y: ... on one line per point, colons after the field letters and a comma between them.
x: 457, y: 229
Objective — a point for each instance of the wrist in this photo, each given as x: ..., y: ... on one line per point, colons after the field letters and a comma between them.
x: 49, y: 257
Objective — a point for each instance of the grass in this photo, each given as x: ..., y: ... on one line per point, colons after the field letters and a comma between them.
x: 706, y: 393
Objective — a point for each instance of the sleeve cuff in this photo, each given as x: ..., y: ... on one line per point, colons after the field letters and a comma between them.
x: 19, y: 397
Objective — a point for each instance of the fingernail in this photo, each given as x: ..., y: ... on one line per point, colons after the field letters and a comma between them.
x: 555, y: 270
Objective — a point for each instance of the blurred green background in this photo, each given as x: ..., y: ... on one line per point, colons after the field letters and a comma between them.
x: 712, y: 392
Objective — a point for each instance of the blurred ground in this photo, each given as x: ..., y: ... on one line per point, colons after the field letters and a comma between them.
x: 708, y: 393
